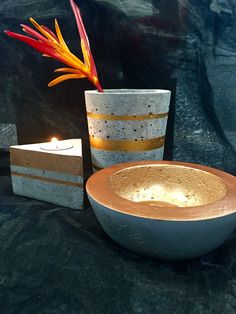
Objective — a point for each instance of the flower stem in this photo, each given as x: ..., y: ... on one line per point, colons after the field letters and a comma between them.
x: 99, y: 87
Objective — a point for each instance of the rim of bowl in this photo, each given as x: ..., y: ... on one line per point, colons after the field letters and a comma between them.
x: 99, y: 188
x: 132, y: 91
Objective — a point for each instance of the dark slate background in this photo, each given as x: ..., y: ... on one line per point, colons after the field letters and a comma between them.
x: 188, y: 46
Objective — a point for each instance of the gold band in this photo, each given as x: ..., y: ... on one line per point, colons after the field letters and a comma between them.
x: 110, y: 117
x: 29, y: 176
x: 46, y: 161
x: 127, y: 145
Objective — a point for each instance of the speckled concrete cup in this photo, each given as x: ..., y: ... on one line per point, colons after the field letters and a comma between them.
x: 126, y: 125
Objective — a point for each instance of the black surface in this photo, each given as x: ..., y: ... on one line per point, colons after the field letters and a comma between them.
x: 58, y: 260
x: 4, y: 161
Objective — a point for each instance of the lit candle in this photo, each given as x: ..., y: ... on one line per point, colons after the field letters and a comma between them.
x: 56, y: 145
x: 51, y: 172
x: 55, y: 141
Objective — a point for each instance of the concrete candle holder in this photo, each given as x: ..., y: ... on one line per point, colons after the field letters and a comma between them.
x: 168, y: 210
x: 51, y: 172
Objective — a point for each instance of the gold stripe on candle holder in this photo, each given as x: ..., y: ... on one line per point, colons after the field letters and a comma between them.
x: 53, y: 162
x: 109, y: 117
x: 50, y: 180
x: 127, y: 145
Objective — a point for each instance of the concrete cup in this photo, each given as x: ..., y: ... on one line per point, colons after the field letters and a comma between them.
x: 126, y: 125
x: 165, y: 209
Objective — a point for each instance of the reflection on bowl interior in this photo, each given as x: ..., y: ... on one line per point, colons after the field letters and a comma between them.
x: 167, y: 185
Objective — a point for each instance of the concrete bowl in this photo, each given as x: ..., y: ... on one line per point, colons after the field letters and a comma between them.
x: 164, y: 209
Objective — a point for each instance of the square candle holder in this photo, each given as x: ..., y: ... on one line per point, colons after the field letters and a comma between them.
x: 50, y: 172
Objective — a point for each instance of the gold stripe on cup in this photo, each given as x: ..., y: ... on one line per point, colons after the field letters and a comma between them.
x: 101, y: 116
x: 127, y: 145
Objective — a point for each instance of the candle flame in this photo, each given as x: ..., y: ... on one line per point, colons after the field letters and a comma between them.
x: 54, y: 139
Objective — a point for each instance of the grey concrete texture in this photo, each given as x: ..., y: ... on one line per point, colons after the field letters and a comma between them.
x: 164, y: 239
x: 55, y: 193
x: 128, y: 103
x: 109, y: 158
x: 49, y: 172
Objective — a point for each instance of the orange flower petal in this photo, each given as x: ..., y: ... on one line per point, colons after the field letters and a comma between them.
x: 74, y: 62
x: 86, y: 55
x: 64, y: 78
x: 69, y: 70
x: 42, y: 31
x: 60, y: 37
x: 83, y: 35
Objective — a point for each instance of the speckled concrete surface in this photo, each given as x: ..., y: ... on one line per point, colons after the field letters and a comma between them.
x: 49, y: 172
x: 126, y: 115
x: 110, y: 158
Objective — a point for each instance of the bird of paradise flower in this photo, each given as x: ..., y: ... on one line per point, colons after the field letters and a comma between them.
x: 52, y: 45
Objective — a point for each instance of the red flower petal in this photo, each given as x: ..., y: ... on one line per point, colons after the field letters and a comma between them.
x: 34, y: 33
x: 44, y: 48
x: 83, y: 35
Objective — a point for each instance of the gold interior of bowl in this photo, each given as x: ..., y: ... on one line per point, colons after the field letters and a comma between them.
x: 168, y: 185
